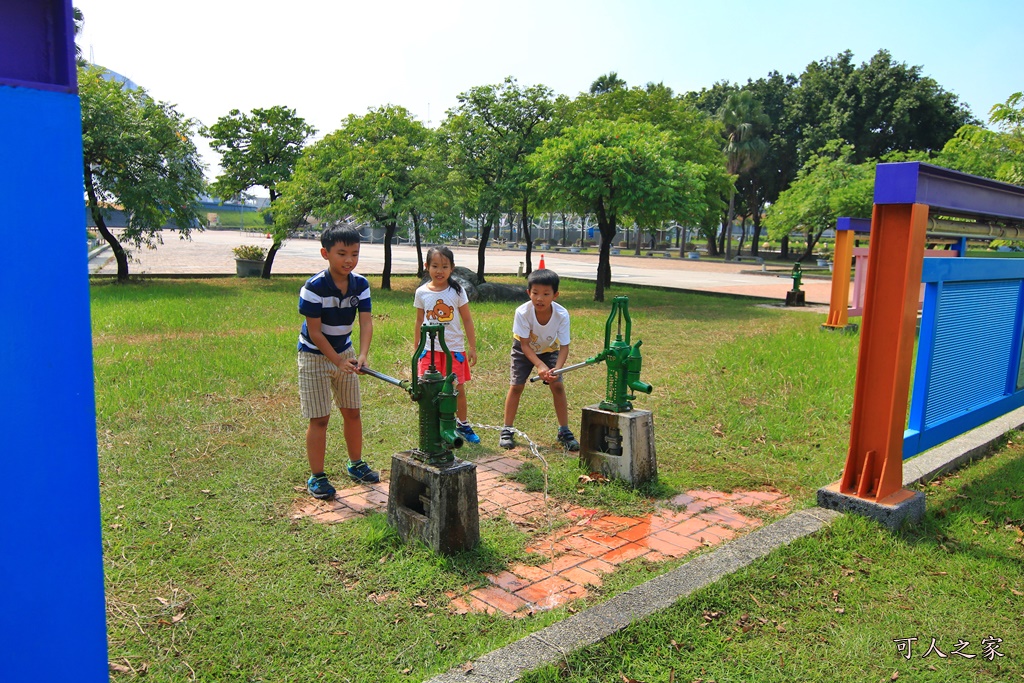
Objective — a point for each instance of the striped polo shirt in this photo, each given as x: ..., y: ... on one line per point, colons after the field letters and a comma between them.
x: 321, y: 298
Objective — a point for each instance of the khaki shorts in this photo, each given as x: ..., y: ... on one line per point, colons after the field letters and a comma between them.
x: 320, y: 379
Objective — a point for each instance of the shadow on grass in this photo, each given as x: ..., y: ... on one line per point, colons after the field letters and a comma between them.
x: 967, y: 518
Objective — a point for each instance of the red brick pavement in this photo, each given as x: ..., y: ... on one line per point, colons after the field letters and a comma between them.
x: 575, y: 556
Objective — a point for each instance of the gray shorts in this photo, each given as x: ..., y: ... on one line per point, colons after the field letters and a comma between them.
x: 522, y: 368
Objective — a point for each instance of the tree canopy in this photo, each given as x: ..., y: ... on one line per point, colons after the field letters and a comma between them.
x: 139, y: 156
x: 878, y: 107
x: 258, y: 149
x: 488, y: 136
x: 615, y: 169
x: 372, y: 168
x: 830, y: 185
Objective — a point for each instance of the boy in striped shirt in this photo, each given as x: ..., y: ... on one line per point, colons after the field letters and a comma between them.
x: 329, y: 367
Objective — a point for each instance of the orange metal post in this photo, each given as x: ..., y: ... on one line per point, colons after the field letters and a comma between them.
x: 874, y: 463
x: 839, y: 303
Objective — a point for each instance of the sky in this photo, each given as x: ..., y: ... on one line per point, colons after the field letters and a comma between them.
x: 327, y: 59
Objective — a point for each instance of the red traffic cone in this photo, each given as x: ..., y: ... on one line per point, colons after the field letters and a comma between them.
x: 541, y: 265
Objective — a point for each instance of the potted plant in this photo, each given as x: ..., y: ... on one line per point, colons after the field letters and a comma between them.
x: 249, y: 260
x: 824, y: 255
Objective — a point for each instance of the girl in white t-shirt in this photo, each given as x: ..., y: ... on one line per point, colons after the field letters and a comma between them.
x: 443, y: 301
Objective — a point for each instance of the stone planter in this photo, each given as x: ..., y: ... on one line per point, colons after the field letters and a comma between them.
x: 822, y: 262
x: 693, y: 254
x: 574, y: 250
x: 614, y: 252
x: 248, y: 268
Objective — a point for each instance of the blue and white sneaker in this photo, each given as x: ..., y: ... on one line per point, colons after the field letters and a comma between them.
x: 467, y: 432
x: 361, y: 472
x: 568, y: 441
x: 319, y: 487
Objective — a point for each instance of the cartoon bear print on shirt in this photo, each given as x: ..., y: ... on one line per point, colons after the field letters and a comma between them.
x: 537, y: 345
x: 442, y: 312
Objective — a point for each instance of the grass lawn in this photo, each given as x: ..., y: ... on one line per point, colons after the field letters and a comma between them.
x: 202, y: 455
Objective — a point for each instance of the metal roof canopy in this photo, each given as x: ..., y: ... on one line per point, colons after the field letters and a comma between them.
x: 948, y: 192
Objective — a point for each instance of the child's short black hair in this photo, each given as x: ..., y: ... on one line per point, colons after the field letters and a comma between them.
x: 543, y: 277
x: 346, y: 234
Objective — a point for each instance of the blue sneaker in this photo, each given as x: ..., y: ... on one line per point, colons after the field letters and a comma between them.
x: 467, y: 433
x: 568, y: 441
x: 361, y: 472
x: 319, y: 487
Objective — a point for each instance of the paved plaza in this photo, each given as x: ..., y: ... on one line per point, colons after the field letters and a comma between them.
x: 209, y: 253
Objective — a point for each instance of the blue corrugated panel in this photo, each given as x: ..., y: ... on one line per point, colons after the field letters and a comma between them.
x: 974, y: 344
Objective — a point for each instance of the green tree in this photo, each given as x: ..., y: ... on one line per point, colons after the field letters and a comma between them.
x: 371, y: 168
x: 78, y: 21
x: 693, y: 135
x: 761, y: 185
x: 488, y: 137
x: 877, y: 107
x: 617, y: 169
x: 743, y: 121
x: 606, y: 83
x: 829, y: 185
x: 989, y: 153
x: 138, y: 154
x: 258, y: 149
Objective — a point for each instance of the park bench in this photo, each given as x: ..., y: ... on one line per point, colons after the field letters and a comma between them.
x: 667, y: 254
x: 753, y: 259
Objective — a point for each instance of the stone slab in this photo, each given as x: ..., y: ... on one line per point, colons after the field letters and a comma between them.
x: 435, y: 504
x: 637, y: 463
x: 903, y: 507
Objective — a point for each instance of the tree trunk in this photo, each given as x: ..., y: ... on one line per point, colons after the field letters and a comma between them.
x: 527, y: 236
x: 812, y: 239
x: 728, y: 222
x: 606, y: 224
x: 481, y: 250
x: 419, y: 247
x: 564, y: 228
x: 755, y: 237
x: 120, y: 255
x: 784, y: 248
x: 268, y: 262
x: 636, y: 238
x: 743, y: 235
x: 389, y: 234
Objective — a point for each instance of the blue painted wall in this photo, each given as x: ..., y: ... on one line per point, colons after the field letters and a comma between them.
x: 52, y: 620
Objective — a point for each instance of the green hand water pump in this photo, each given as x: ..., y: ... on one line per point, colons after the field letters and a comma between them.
x: 436, y: 396
x: 622, y: 358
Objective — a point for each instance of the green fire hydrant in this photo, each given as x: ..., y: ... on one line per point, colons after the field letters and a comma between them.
x: 436, y: 396
x: 798, y: 275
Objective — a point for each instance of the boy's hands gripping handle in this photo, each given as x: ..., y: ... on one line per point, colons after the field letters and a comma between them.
x: 569, y: 368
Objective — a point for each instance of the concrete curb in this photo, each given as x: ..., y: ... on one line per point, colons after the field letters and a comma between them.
x: 955, y: 453
x: 555, y: 642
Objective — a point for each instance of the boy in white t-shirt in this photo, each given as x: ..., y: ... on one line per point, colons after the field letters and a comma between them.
x: 540, y: 334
